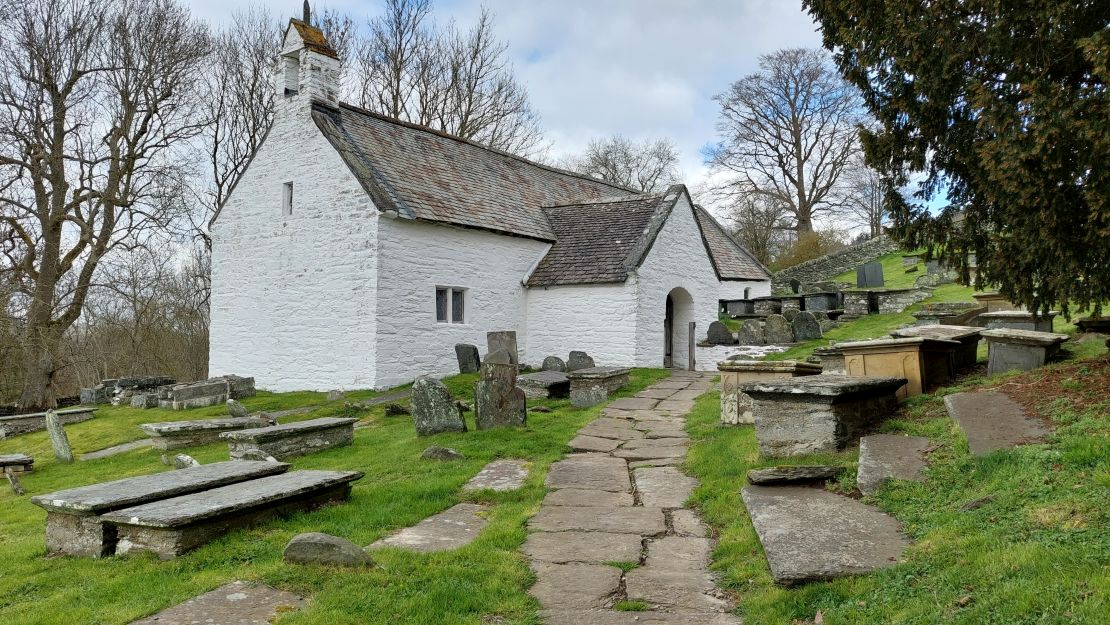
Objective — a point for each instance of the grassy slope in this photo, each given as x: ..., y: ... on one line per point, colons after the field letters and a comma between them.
x: 487, y: 577
x: 1038, y: 553
x: 894, y: 274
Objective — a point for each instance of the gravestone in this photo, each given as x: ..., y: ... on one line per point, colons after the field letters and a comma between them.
x: 790, y: 313
x: 504, y: 340
x: 777, y: 330
x: 579, y: 360
x: 751, y: 333
x: 58, y: 439
x: 554, y: 363
x: 497, y: 400
x: 795, y: 285
x: 468, y: 358
x: 719, y: 334
x: 433, y: 408
x: 869, y: 275
x: 235, y: 409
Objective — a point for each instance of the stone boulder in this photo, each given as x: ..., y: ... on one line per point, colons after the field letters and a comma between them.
x: 318, y: 548
x: 554, y: 363
x: 751, y: 333
x: 433, y: 408
x: 719, y: 334
x: 579, y: 360
x: 805, y: 327
x: 236, y: 409
x: 441, y: 453
x: 467, y: 355
x: 777, y: 330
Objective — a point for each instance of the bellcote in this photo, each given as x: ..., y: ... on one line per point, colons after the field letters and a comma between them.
x: 307, y: 65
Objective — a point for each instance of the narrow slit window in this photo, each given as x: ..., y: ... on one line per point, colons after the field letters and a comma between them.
x: 458, y: 306
x: 441, y: 305
x: 287, y: 199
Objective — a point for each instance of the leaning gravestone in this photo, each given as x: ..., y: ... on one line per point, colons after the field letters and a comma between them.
x: 554, y: 363
x: 58, y: 439
x: 503, y: 341
x: 468, y: 358
x: 719, y: 334
x: 579, y: 360
x: 777, y: 330
x: 497, y: 400
x: 751, y: 333
x: 433, y: 408
x: 870, y: 275
x: 805, y: 327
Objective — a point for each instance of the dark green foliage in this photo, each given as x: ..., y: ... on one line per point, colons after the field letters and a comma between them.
x: 1004, y: 106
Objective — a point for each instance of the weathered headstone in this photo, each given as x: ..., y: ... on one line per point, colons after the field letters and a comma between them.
x: 318, y: 548
x: 579, y: 360
x: 335, y: 395
x: 503, y: 341
x: 805, y: 327
x: 778, y: 330
x: 58, y: 439
x: 795, y: 285
x: 236, y: 409
x: 719, y: 334
x: 869, y: 275
x: 468, y: 357
x: 497, y: 400
x: 441, y: 453
x: 790, y: 313
x: 433, y: 408
x: 554, y: 363
x: 751, y: 333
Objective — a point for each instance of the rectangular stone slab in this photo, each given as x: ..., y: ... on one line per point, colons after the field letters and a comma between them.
x: 544, y: 384
x: 36, y: 421
x: 1020, y: 349
x: 1017, y: 320
x: 924, y: 362
x: 175, y: 434
x: 71, y: 523
x: 810, y: 534
x: 174, y: 526
x: 967, y: 336
x: 292, y: 439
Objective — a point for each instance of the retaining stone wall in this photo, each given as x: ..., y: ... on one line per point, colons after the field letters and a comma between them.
x: 828, y: 267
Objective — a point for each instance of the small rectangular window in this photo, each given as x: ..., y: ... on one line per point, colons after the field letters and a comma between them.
x: 441, y: 305
x: 287, y: 199
x: 458, y: 307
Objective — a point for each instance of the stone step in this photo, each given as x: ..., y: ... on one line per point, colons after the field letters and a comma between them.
x: 992, y: 421
x: 810, y: 534
x: 453, y: 528
x: 887, y: 456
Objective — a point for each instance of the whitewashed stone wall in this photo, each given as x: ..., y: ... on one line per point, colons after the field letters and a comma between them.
x: 598, y: 319
x: 678, y: 259
x: 734, y: 289
x: 415, y: 258
x: 293, y: 298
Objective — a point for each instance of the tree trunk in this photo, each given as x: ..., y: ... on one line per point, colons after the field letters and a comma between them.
x: 805, y: 223
x: 38, y: 370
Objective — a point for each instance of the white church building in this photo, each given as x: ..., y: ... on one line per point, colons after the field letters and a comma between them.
x: 356, y: 250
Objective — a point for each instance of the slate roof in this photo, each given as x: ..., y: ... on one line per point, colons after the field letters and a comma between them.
x: 600, y: 242
x: 424, y: 174
x: 730, y: 259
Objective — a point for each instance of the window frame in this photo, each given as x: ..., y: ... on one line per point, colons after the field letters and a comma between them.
x: 450, y: 293
x: 287, y: 199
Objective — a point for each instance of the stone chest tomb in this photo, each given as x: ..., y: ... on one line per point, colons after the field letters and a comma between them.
x: 736, y: 406
x: 589, y: 387
x: 1017, y: 320
x: 292, y: 439
x: 175, y: 434
x: 817, y: 413
x: 1020, y: 349
x: 923, y: 362
x: 967, y: 336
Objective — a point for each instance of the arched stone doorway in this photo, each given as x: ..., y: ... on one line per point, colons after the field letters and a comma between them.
x: 676, y: 329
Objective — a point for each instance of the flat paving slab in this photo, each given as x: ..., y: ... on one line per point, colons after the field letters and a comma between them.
x: 499, y: 475
x: 811, y: 534
x: 648, y: 452
x: 237, y: 603
x: 589, y: 547
x: 115, y: 450
x: 687, y: 523
x: 593, y: 443
x: 890, y: 456
x: 633, y: 403
x: 590, y: 472
x: 574, y: 586
x: 655, y: 392
x: 609, y: 617
x: 663, y: 487
x: 993, y: 421
x: 455, y: 527
x: 619, y: 520
x: 588, y: 498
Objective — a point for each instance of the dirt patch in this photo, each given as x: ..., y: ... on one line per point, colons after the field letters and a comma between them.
x: 1086, y: 384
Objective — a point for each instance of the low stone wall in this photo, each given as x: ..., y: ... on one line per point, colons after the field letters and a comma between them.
x: 828, y: 267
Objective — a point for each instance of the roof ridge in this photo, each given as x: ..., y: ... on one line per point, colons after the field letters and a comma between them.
x: 447, y: 135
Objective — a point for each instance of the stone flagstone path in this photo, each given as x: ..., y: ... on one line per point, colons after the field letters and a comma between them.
x: 613, y: 528
x: 237, y: 603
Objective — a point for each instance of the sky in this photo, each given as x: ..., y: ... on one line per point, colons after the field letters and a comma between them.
x: 595, y: 68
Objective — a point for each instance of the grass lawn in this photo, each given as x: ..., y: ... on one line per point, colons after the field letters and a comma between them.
x: 481, y: 583
x: 1039, y: 552
x: 894, y: 274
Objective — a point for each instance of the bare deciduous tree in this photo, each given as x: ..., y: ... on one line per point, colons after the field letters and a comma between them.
x: 94, y: 97
x: 648, y: 165
x: 457, y: 82
x: 761, y: 225
x: 864, y: 199
x: 787, y: 133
